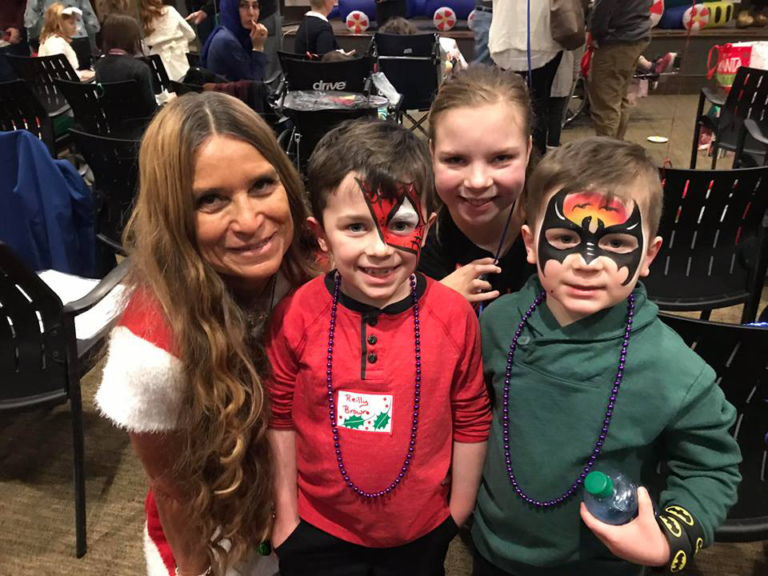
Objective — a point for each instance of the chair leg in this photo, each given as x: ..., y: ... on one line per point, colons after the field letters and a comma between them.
x: 79, y: 464
x: 705, y: 314
x: 715, y: 152
x: 697, y: 132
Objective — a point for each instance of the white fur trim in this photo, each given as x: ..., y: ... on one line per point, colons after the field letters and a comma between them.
x: 155, y: 564
x: 141, y: 386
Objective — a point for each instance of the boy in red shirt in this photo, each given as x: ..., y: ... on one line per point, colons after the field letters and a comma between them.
x: 380, y: 415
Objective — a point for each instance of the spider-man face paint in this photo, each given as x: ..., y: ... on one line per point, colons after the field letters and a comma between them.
x: 399, y: 219
x: 584, y: 223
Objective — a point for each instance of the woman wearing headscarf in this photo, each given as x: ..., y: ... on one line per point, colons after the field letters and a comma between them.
x: 235, y: 49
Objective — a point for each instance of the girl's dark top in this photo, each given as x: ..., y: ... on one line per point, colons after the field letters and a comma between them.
x: 118, y: 68
x: 448, y: 249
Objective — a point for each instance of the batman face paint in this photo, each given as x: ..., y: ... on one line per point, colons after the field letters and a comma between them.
x: 586, y: 225
x: 399, y: 219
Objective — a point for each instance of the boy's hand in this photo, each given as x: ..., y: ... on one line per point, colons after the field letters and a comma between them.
x: 283, y: 528
x: 640, y: 542
x: 467, y: 282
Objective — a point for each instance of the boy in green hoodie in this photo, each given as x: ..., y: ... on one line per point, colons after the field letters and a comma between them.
x: 586, y: 377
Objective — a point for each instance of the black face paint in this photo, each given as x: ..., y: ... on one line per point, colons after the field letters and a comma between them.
x: 575, y: 212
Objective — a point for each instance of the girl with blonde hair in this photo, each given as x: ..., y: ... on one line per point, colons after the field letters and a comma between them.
x: 59, y: 27
x: 217, y: 237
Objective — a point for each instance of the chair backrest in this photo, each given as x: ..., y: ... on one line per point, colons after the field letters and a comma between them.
x: 713, y: 239
x: 345, y: 76
x: 411, y: 45
x: 41, y: 73
x: 748, y: 98
x: 114, y: 108
x: 115, y: 164
x: 180, y: 88
x: 34, y: 336
x: 21, y: 110
x: 737, y: 354
x: 160, y: 79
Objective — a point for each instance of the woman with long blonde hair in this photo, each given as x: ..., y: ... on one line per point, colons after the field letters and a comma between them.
x: 217, y: 237
x: 167, y: 34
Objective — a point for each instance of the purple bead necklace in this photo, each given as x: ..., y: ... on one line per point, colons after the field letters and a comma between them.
x: 416, y: 399
x: 606, y: 420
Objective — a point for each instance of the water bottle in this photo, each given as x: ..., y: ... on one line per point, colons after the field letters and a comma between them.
x: 610, y: 497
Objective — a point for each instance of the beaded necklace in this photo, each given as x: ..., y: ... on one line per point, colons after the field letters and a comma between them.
x: 606, y: 420
x: 332, y: 405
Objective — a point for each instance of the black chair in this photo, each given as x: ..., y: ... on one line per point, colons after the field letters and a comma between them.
x: 311, y: 75
x: 180, y: 88
x: 114, y: 108
x: 412, y: 64
x: 747, y: 99
x: 737, y: 354
x: 115, y: 165
x: 41, y: 359
x: 193, y: 59
x: 160, y: 79
x: 41, y: 74
x: 21, y: 110
x: 714, y: 253
x: 346, y: 76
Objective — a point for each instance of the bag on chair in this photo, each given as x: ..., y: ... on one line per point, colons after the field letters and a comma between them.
x: 566, y: 21
x: 729, y: 58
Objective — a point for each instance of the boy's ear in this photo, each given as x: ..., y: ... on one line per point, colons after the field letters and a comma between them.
x: 317, y: 230
x: 650, y: 254
x: 528, y: 239
x: 432, y: 149
x: 430, y: 221
x: 530, y: 148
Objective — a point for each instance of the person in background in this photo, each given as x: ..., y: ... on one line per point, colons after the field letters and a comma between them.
x: 450, y: 54
x: 13, y: 39
x: 567, y: 73
x: 315, y: 34
x: 387, y: 9
x: 56, y: 37
x: 235, y: 49
x: 87, y: 25
x: 121, y: 43
x: 621, y: 31
x: 269, y: 17
x: 508, y: 42
x: 481, y: 26
x: 167, y: 34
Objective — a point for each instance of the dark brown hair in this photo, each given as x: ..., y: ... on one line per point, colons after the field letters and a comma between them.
x: 383, y: 154
x: 481, y: 85
x: 611, y: 167
x: 121, y: 32
x: 399, y: 26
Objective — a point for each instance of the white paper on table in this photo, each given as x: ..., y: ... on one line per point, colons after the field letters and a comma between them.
x: 70, y: 288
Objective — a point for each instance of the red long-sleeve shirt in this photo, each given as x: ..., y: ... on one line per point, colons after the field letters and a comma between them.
x: 374, y: 374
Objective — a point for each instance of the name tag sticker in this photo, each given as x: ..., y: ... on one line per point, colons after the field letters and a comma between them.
x: 365, y: 412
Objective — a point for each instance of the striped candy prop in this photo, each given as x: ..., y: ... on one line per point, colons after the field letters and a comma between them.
x: 720, y: 13
x: 357, y: 22
x: 471, y: 20
x: 657, y: 9
x: 444, y: 19
x: 696, y: 18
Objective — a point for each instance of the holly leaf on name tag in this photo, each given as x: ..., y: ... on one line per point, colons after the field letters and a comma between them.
x: 353, y: 422
x: 381, y: 421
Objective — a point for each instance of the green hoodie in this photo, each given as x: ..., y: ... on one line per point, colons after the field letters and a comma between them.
x: 669, y: 408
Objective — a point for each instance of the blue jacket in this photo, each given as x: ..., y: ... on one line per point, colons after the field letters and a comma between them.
x: 46, y: 209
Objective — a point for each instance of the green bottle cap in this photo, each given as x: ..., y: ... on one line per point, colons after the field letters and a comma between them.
x: 598, y: 484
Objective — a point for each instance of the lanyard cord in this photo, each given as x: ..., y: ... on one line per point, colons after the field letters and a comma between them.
x: 528, y: 47
x: 498, y: 250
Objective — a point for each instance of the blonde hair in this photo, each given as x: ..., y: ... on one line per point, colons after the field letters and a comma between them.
x: 149, y: 11
x: 481, y: 85
x: 52, y: 22
x: 225, y: 464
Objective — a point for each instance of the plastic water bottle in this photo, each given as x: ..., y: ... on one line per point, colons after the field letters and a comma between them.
x: 611, y: 497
